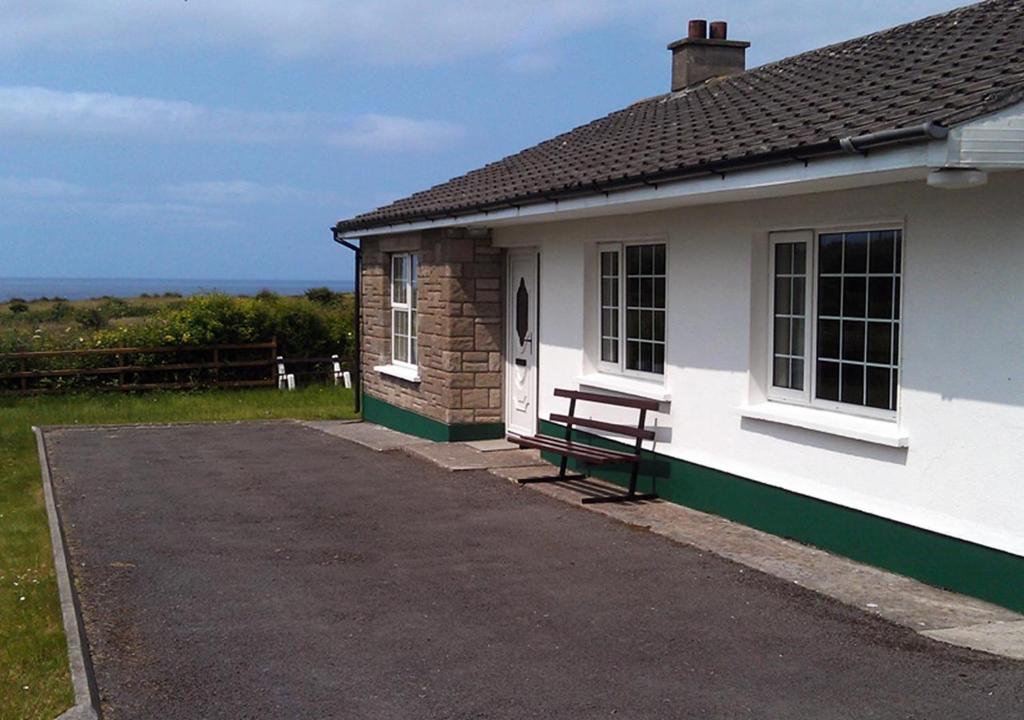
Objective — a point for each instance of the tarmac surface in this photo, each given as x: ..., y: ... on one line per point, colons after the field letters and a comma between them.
x: 257, y: 570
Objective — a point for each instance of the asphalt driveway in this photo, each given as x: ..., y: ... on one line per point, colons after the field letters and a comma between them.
x: 267, y: 570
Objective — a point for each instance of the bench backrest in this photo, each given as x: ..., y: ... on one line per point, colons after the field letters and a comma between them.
x: 642, y: 404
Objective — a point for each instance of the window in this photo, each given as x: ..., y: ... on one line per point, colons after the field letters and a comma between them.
x: 632, y: 307
x: 836, y: 319
x: 404, y: 349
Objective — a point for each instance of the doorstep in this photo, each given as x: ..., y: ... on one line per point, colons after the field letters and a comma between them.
x: 935, y: 613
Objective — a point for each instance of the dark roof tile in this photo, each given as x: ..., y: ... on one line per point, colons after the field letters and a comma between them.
x: 947, y: 68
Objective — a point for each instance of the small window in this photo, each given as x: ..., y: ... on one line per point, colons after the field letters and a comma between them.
x: 852, y: 310
x: 632, y: 303
x: 404, y: 350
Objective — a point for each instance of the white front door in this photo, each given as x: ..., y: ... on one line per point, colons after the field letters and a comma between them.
x: 521, y: 357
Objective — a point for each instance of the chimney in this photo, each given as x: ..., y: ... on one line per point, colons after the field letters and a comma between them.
x: 698, y: 57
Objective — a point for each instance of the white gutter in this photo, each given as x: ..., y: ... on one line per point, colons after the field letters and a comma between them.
x: 896, y: 163
x: 906, y: 162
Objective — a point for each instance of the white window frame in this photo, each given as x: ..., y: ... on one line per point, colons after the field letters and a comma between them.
x: 620, y: 368
x: 409, y: 308
x: 808, y: 397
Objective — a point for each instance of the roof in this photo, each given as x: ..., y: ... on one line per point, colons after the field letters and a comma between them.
x: 945, y: 69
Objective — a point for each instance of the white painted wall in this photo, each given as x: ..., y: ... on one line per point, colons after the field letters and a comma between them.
x: 962, y: 379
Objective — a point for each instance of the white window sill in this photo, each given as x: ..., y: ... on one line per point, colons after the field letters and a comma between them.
x: 626, y: 386
x: 401, y: 372
x: 880, y: 432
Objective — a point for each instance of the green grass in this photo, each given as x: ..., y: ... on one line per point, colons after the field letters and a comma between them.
x: 34, y: 680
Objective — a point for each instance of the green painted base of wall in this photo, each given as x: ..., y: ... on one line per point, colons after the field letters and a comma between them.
x: 940, y: 560
x: 396, y: 418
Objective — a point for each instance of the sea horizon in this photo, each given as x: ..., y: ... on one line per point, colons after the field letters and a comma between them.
x: 84, y: 288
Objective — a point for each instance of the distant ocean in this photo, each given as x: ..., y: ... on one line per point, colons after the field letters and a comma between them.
x: 85, y: 288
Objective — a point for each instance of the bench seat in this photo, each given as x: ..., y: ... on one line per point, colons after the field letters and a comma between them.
x: 587, y: 453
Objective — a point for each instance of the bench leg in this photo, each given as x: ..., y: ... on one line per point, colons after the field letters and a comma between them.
x: 562, y: 475
x: 631, y: 493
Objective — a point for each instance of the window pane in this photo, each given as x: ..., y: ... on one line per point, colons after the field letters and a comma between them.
x: 896, y: 344
x: 828, y: 339
x: 633, y: 260
x: 659, y: 292
x: 609, y: 292
x: 880, y: 297
x: 898, y: 250
x: 830, y: 296
x: 796, y: 374
x: 610, y: 350
x: 830, y: 250
x: 780, y: 372
x: 632, y: 292
x: 647, y: 325
x: 398, y: 279
x: 659, y: 325
x: 659, y: 260
x: 783, y: 258
x: 646, y: 357
x: 412, y: 323
x: 879, y: 342
x: 646, y: 292
x: 401, y: 322
x: 828, y: 380
x: 855, y: 253
x: 796, y: 338
x: 632, y: 324
x: 646, y: 260
x: 659, y: 358
x: 414, y: 351
x: 854, y: 296
x: 610, y: 323
x: 782, y: 327
x: 853, y: 340
x: 852, y: 384
x: 878, y: 387
x: 633, y: 355
x: 881, y: 251
x: 798, y: 295
x: 783, y: 297
x: 414, y: 268
x: 799, y: 258
x: 610, y: 263
x: 894, y: 389
x: 896, y: 298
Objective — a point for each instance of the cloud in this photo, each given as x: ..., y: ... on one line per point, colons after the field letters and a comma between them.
x: 397, y: 134
x: 43, y: 112
x: 38, y: 188
x: 389, y: 32
x: 410, y: 32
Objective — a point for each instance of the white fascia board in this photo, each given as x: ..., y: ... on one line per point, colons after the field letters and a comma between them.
x: 838, y: 172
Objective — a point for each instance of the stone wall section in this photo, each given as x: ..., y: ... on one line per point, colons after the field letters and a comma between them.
x: 460, y: 325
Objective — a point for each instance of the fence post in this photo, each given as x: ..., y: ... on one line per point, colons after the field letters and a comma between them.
x: 24, y: 380
x: 216, y: 365
x: 120, y: 363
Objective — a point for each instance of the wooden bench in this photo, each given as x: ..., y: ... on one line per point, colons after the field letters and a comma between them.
x: 589, y: 454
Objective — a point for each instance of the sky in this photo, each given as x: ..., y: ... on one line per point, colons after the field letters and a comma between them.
x: 223, y: 138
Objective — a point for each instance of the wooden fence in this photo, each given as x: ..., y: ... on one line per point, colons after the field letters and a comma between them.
x: 140, y: 368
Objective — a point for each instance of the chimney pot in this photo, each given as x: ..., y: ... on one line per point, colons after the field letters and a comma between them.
x: 697, y: 57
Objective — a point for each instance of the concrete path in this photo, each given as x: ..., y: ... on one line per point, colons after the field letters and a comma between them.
x: 267, y: 570
x: 938, y: 614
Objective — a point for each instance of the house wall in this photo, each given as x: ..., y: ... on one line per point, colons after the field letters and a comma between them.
x: 962, y: 374
x: 460, y: 327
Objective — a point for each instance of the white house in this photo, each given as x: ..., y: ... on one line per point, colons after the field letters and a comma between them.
x: 815, y: 266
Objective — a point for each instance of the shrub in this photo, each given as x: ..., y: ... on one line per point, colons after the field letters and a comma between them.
x: 60, y: 311
x: 322, y: 295
x: 17, y: 306
x: 91, y: 318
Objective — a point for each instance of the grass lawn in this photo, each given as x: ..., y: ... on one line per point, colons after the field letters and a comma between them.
x: 34, y: 681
